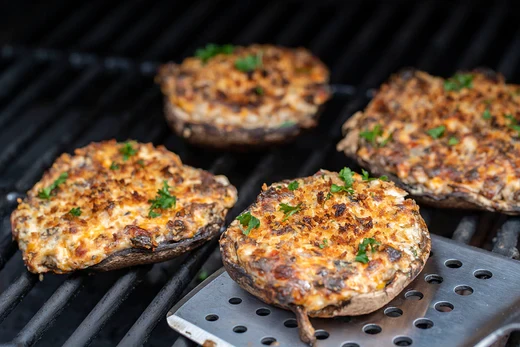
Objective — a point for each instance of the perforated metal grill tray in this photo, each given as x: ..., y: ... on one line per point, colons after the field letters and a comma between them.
x: 464, y: 297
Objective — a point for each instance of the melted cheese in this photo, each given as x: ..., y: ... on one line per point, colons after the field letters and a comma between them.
x: 293, y: 85
x: 114, y: 206
x: 310, y: 258
x: 483, y: 167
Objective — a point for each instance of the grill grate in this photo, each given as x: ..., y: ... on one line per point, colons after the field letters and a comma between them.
x: 76, y: 75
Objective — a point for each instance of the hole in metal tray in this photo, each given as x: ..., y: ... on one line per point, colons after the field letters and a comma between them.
x: 372, y: 329
x: 263, y: 311
x: 321, y: 334
x: 235, y: 301
x: 240, y: 329
x: 350, y: 344
x: 463, y: 290
x: 423, y: 323
x: 268, y: 341
x: 402, y: 341
x: 393, y: 312
x: 444, y: 306
x: 413, y: 295
x: 211, y: 317
x: 483, y: 274
x: 291, y: 323
x: 453, y: 263
x: 433, y: 279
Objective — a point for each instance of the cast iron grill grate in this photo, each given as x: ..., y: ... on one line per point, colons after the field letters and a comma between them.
x: 82, y: 74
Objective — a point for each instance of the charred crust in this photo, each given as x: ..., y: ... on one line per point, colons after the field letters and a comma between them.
x: 164, y: 251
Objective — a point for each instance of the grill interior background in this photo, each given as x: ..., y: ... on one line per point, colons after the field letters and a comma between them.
x: 71, y: 75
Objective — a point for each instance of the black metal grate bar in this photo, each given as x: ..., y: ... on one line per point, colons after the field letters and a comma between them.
x: 106, y: 307
x: 466, y: 228
x: 15, y: 293
x: 46, y: 316
x: 139, y: 332
x: 507, y: 238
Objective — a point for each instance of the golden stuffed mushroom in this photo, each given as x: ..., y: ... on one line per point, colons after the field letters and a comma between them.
x: 241, y: 97
x: 327, y: 245
x: 113, y: 205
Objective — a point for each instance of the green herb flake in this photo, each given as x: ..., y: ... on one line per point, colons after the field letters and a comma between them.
x: 163, y: 200
x: 212, y: 50
x: 513, y: 123
x: 249, y: 63
x: 361, y: 255
x: 259, y: 91
x: 127, y: 151
x: 366, y: 177
x: 329, y: 195
x: 458, y: 82
x: 140, y: 162
x: 203, y: 275
x: 346, y: 176
x: 414, y: 252
x: 46, y: 193
x: 248, y: 220
x: 114, y: 166
x: 436, y: 132
x: 486, y: 115
x: 76, y: 211
x: 453, y: 141
x: 287, y: 124
x: 289, y: 210
x: 324, y: 244
x: 372, y: 135
x: 293, y: 185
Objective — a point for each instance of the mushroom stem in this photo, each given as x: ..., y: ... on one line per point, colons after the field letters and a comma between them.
x: 304, y: 325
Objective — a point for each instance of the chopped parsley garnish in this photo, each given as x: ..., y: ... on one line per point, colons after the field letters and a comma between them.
x: 287, y: 124
x: 140, y: 162
x: 127, y: 151
x: 372, y: 135
x: 163, y: 200
x: 513, y: 123
x: 346, y: 176
x: 212, y: 50
x: 486, y: 114
x: 259, y: 91
x: 289, y: 210
x: 366, y: 177
x: 45, y: 193
x: 324, y: 244
x: 203, y: 275
x: 436, y: 132
x: 249, y: 63
x: 293, y: 185
x: 458, y: 81
x: 363, y: 246
x: 414, y: 252
x: 453, y: 141
x: 248, y: 220
x: 329, y: 195
x: 76, y: 211
x: 114, y: 166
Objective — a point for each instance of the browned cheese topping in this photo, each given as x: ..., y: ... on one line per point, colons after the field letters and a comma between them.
x: 318, y: 245
x: 456, y: 137
x: 109, y: 197
x: 260, y: 86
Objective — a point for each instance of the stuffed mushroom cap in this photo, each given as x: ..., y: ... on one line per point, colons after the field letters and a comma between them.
x: 113, y: 205
x: 327, y: 245
x: 242, y: 97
